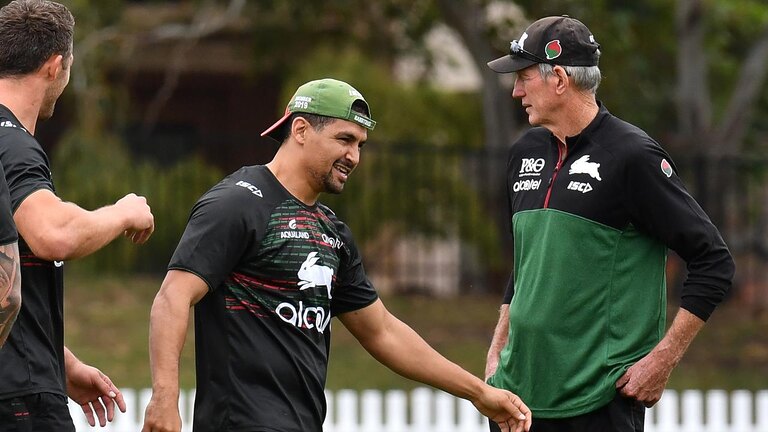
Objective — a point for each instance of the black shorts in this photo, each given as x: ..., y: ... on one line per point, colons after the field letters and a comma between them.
x: 620, y: 415
x: 41, y: 412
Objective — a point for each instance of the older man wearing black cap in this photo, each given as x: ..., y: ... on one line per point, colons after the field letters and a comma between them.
x: 595, y: 205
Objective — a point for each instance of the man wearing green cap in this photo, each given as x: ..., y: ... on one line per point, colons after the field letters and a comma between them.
x: 266, y: 267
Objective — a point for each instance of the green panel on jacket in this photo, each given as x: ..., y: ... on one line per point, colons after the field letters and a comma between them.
x: 574, y: 321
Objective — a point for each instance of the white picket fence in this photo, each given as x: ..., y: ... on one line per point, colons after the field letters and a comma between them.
x: 428, y: 410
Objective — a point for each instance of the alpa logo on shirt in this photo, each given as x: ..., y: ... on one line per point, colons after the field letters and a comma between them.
x: 302, y: 316
x: 311, y: 275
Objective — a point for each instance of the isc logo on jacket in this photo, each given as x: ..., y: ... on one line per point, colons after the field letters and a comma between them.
x: 582, y: 165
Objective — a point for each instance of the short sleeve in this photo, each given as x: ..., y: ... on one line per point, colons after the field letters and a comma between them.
x: 26, y: 166
x: 8, y: 232
x: 215, y: 238
x: 353, y: 289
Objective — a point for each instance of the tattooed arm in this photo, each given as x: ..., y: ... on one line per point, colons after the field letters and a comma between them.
x: 10, y: 288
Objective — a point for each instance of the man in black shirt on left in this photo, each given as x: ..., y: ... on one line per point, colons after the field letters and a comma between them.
x: 10, y: 280
x: 37, y: 372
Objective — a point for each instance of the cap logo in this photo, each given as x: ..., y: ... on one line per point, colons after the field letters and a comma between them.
x: 522, y: 40
x: 553, y: 49
x: 364, y: 121
x: 666, y: 168
x: 355, y: 93
x: 302, y: 102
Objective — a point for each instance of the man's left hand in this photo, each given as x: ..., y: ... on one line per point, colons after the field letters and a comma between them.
x: 94, y: 392
x: 646, y: 379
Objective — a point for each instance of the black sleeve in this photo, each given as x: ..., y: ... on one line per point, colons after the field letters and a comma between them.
x: 215, y: 238
x: 8, y: 233
x: 660, y: 205
x: 509, y: 291
x: 353, y: 289
x: 25, y: 163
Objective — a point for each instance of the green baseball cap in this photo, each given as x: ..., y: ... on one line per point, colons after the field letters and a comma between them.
x: 326, y: 97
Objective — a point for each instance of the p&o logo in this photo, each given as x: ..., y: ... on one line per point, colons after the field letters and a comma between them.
x: 531, y: 167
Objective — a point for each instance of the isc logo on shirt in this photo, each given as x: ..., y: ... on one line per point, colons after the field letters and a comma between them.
x: 579, y: 186
x: 254, y: 190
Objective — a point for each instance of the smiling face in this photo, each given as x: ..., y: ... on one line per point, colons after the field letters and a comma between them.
x: 333, y: 152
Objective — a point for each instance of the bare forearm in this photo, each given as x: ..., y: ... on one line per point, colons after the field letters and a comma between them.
x: 405, y: 352
x: 10, y: 289
x: 85, y: 232
x: 167, y: 333
x: 646, y: 379
x: 56, y: 230
x: 499, y: 341
x: 679, y: 336
x: 69, y: 360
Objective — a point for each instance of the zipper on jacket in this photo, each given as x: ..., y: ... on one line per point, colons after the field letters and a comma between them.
x: 562, y: 151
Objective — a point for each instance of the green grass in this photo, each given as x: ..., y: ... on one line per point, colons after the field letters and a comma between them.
x: 107, y: 323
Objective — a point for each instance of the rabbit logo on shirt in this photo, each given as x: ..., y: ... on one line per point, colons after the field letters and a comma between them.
x: 314, y: 275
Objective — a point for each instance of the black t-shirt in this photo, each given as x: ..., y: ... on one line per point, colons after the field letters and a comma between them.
x: 7, y: 227
x: 277, y: 271
x: 32, y: 360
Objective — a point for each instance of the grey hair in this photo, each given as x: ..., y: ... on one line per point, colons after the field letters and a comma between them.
x: 586, y: 78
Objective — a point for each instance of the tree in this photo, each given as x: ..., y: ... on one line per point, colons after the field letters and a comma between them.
x: 470, y: 20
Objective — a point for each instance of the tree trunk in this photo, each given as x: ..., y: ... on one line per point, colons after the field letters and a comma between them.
x: 740, y: 111
x: 694, y: 110
x: 467, y: 19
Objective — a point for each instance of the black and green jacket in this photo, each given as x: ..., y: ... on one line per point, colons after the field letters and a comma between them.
x: 592, y: 219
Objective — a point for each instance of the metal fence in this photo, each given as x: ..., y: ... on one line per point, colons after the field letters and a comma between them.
x: 434, y: 219
x: 427, y: 410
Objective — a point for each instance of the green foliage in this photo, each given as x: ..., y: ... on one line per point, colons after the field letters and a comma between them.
x: 286, y: 30
x: 639, y: 46
x: 637, y: 42
x: 418, y: 186
x: 733, y: 27
x: 94, y: 14
x: 417, y: 114
x: 93, y: 171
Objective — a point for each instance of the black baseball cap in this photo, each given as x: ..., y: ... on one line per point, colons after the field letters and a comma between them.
x: 557, y: 40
